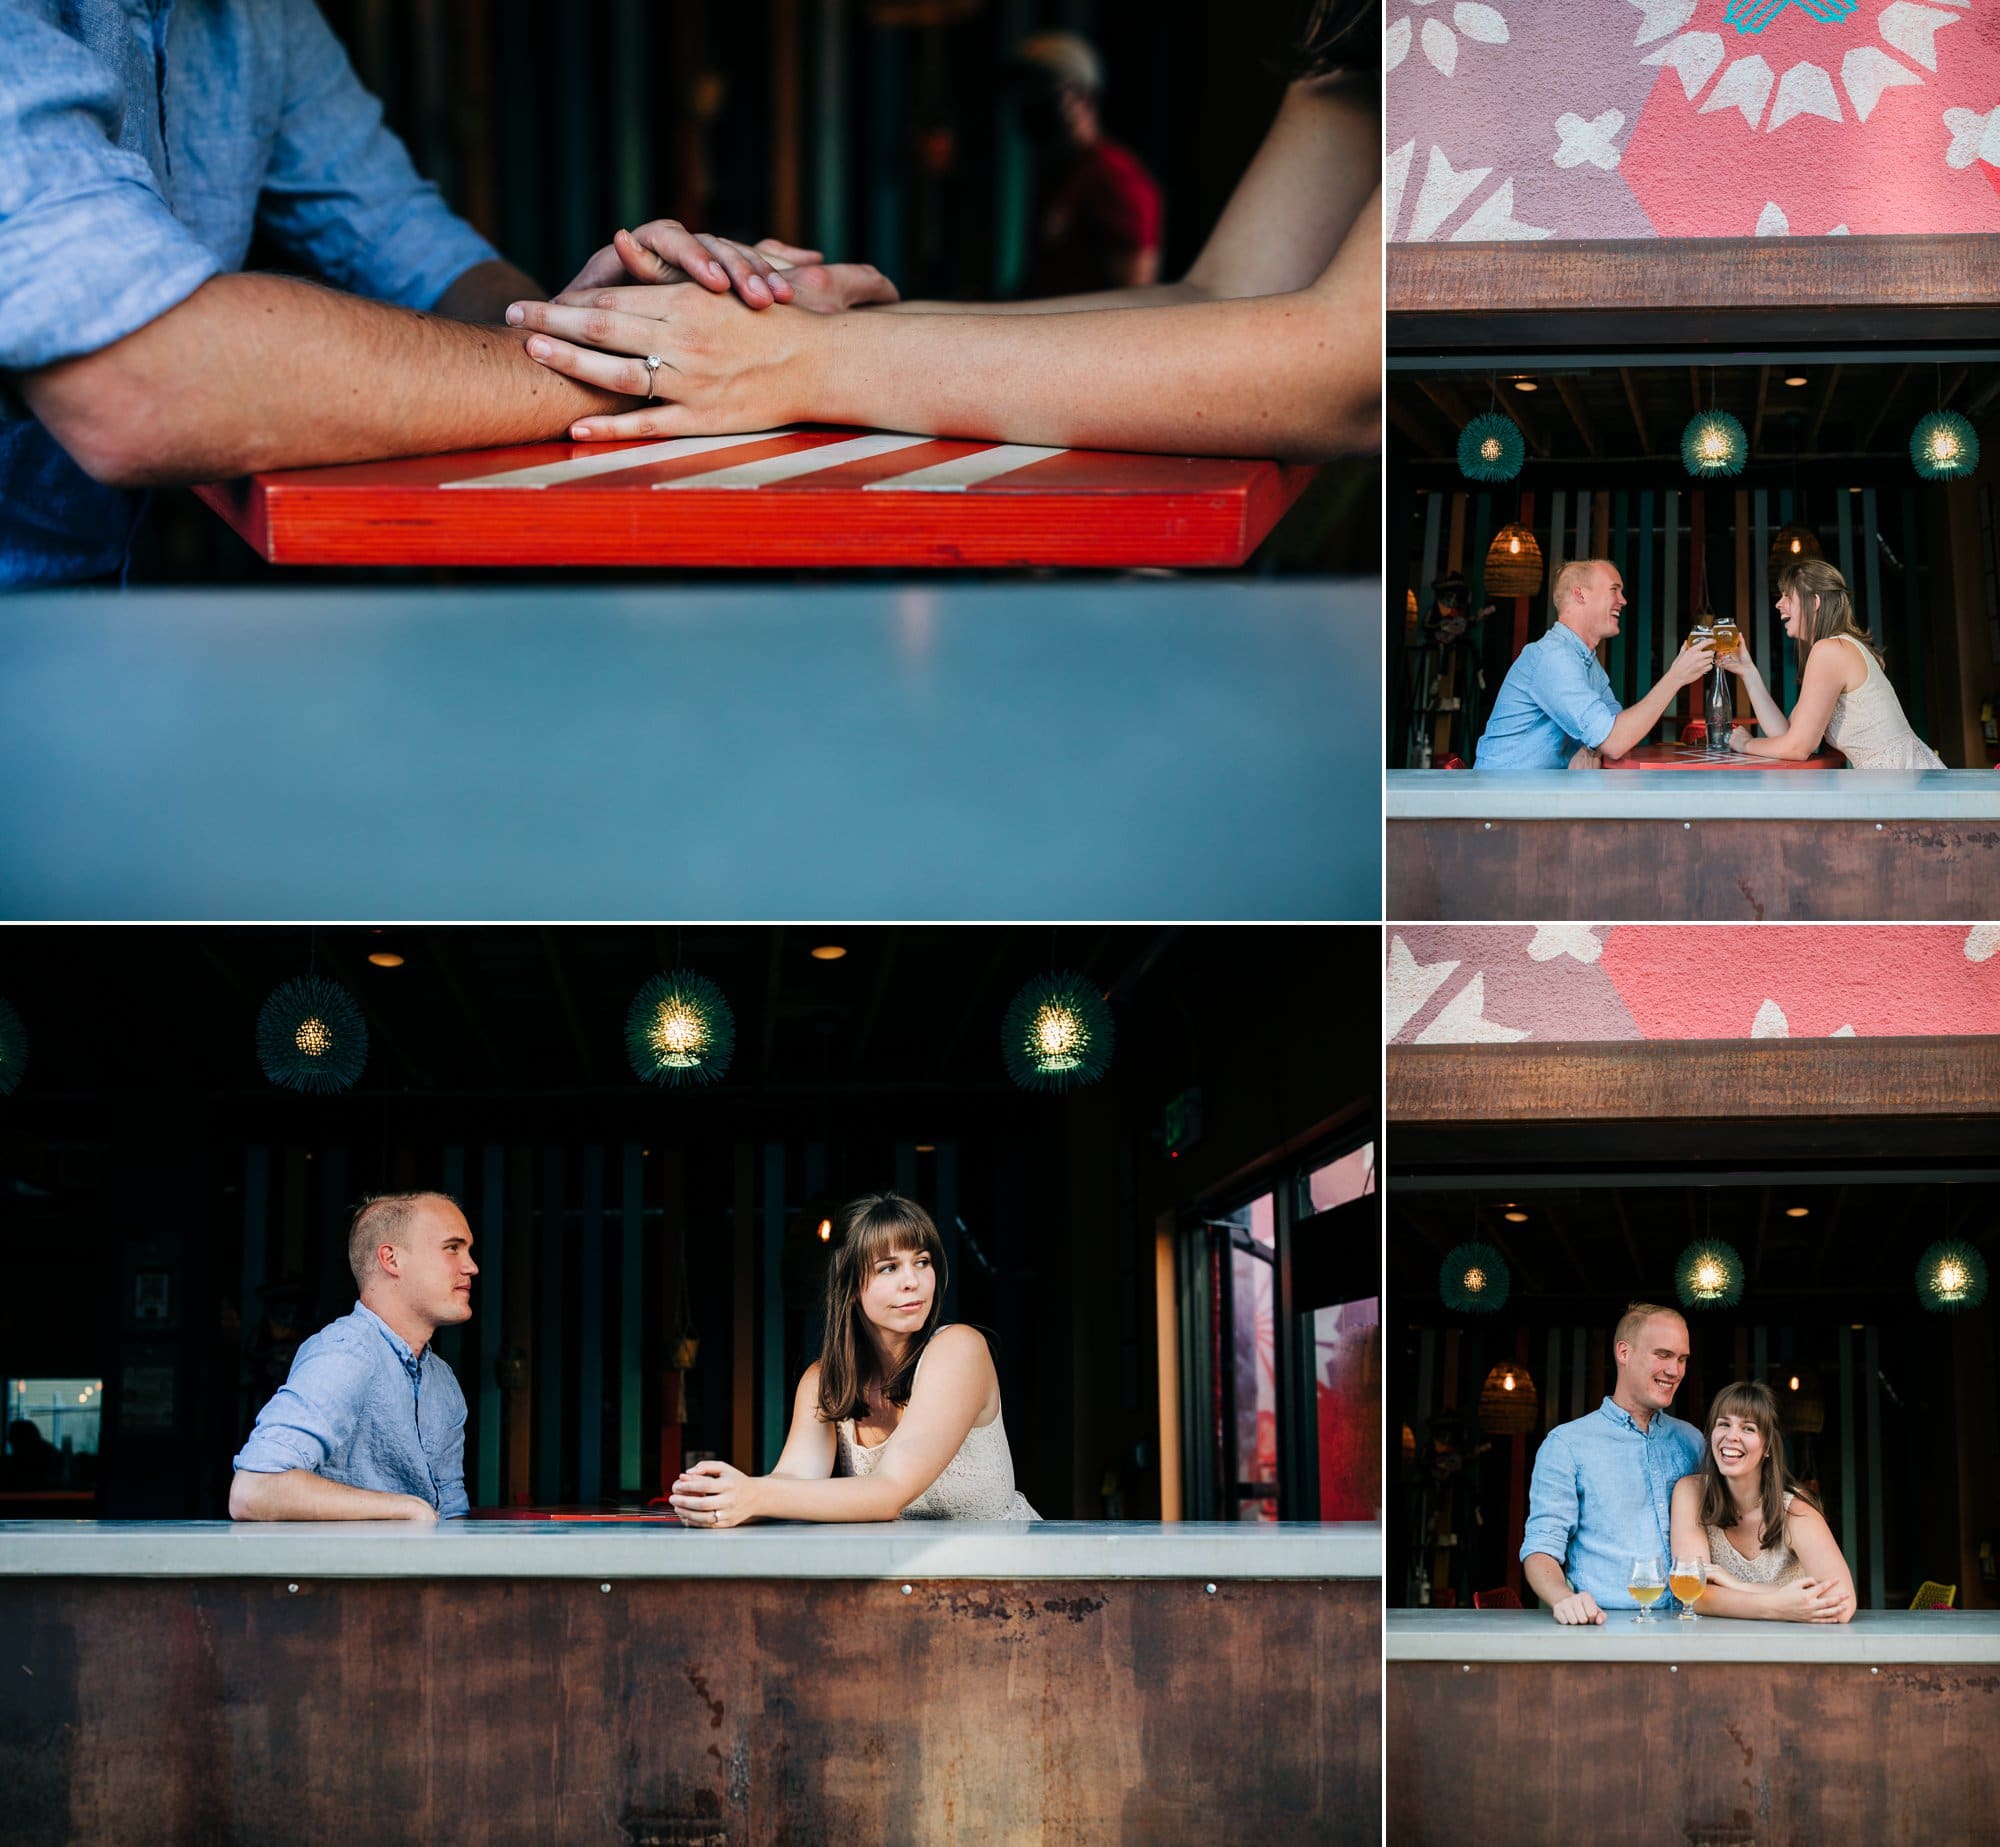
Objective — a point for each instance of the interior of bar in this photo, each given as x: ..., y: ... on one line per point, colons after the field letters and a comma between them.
x: 1822, y: 460
x: 1149, y: 1156
x: 1887, y: 1403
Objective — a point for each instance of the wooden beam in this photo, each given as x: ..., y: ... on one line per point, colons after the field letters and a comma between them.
x: 1510, y: 406
x: 1695, y: 1080
x: 1763, y: 394
x: 1416, y: 428
x: 1446, y: 397
x: 1696, y: 272
x: 886, y: 947
x: 579, y: 1040
x: 1638, y: 411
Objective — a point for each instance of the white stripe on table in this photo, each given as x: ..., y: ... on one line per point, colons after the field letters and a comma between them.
x: 790, y: 466
x: 610, y: 461
x: 968, y: 470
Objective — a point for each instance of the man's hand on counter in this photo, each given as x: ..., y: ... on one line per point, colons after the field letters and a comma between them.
x: 1579, y: 1607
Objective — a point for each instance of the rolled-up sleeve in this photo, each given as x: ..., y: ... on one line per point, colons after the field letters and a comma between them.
x: 89, y: 251
x: 1571, y: 696
x: 310, y: 1416
x: 1552, y: 1502
x: 340, y: 192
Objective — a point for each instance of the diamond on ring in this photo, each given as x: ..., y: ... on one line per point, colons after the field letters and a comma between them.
x: 652, y: 362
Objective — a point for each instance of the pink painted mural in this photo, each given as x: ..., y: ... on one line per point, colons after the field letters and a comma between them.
x: 1494, y: 984
x: 1690, y: 118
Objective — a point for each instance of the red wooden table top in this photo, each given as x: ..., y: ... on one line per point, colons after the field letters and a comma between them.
x: 1697, y: 757
x: 783, y: 498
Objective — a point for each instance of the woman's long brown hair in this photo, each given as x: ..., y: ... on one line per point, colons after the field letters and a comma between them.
x: 1328, y: 36
x: 1826, y: 606
x: 1759, y: 1405
x: 871, y: 1229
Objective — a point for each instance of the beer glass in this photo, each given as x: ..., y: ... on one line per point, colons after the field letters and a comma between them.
x: 1646, y: 1584
x: 1687, y: 1580
x: 1727, y: 636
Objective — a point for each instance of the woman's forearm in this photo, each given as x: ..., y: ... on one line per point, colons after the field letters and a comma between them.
x: 1283, y: 376
x: 1725, y: 1597
x: 1158, y: 295
x: 844, y: 1497
x: 1771, y: 718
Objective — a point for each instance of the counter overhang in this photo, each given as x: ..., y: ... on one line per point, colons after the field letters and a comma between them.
x: 957, y: 1549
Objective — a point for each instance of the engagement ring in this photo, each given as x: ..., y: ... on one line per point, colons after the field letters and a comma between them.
x: 652, y: 362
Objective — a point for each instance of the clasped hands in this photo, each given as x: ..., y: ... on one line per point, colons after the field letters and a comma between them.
x: 720, y: 369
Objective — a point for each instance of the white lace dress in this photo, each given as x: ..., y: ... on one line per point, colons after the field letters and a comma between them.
x: 977, y: 1483
x: 1869, y: 729
x: 1777, y: 1564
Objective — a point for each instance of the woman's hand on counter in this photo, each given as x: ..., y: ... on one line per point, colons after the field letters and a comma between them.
x: 1812, y: 1600
x: 714, y: 1494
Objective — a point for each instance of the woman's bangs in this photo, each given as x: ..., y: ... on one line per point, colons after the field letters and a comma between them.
x: 885, y: 1231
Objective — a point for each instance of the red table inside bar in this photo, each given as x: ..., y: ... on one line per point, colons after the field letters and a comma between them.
x: 809, y: 497
x: 1696, y: 757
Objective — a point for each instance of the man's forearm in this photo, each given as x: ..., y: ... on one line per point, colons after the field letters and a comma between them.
x: 1546, y: 1577
x: 254, y: 372
x: 1636, y: 723
x: 483, y: 292
x: 298, y: 1494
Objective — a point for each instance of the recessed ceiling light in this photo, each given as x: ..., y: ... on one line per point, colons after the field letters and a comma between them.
x: 828, y: 952
x: 1797, y: 1212
x: 927, y: 1147
x: 385, y: 958
x: 1795, y: 380
x: 826, y: 1231
x: 1526, y: 384
x: 1516, y: 1218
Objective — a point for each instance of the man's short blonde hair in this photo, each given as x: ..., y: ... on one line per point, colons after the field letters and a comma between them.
x: 382, y: 1218
x: 1572, y: 578
x: 1635, y: 1317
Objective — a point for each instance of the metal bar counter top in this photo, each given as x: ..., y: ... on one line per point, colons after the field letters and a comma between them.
x: 1806, y: 845
x: 538, y: 1681
x: 1873, y: 1638
x: 583, y: 1548
x: 1508, y: 1727
x: 1063, y: 749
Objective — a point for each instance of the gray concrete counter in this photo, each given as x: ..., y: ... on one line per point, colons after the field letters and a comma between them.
x: 928, y: 1549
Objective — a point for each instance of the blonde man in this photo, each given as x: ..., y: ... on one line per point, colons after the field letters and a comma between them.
x: 1555, y: 709
x: 370, y: 1424
x: 1604, y: 1484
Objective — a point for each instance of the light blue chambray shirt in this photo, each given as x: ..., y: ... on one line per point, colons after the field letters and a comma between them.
x: 141, y: 143
x: 1603, y: 1496
x: 359, y: 1407
x: 1554, y: 700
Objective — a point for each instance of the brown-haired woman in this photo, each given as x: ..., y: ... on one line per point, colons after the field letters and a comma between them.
x: 898, y: 1418
x: 1770, y: 1551
x: 1844, y: 695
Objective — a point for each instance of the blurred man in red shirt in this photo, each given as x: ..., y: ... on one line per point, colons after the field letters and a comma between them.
x: 1097, y: 217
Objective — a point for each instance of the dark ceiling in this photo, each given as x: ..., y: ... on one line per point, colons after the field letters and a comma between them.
x: 527, y: 1010
x: 1619, y: 1243
x: 1613, y: 414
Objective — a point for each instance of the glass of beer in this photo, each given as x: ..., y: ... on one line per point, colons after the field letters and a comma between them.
x: 1646, y: 1584
x: 1726, y: 636
x: 1687, y: 1580
x: 1703, y: 630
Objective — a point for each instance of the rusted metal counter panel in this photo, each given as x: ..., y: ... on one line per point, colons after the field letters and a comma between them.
x: 1537, y: 1751
x: 682, y: 1710
x: 1506, y: 1727
x: 1706, y: 872
x: 1814, y: 845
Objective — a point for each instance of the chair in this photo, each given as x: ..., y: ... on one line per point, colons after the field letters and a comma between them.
x: 1502, y: 1599
x: 1934, y: 1596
